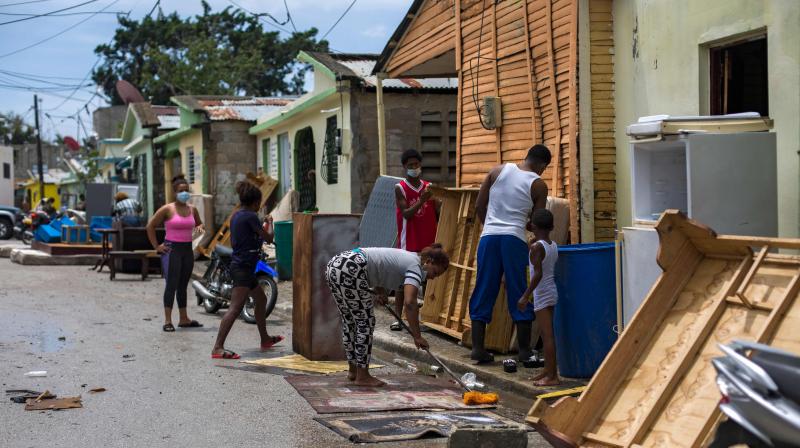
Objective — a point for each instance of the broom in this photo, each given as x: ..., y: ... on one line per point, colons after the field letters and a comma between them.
x: 470, y: 396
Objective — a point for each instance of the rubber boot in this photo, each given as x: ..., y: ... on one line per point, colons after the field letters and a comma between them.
x: 479, y: 353
x: 524, y: 339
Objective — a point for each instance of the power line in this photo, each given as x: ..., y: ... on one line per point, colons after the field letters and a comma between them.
x: 24, y: 3
x: 339, y: 20
x: 48, y: 13
x: 21, y: 74
x: 39, y: 80
x: 59, y: 15
x: 19, y: 50
x: 289, y: 15
x: 260, y: 16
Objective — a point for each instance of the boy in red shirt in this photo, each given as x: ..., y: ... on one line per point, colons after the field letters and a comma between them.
x: 416, y: 212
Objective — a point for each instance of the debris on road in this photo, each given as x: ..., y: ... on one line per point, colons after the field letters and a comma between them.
x: 36, y: 373
x: 97, y: 390
x: 62, y: 338
x: 299, y: 362
x: 55, y: 404
x: 26, y: 394
x: 126, y: 358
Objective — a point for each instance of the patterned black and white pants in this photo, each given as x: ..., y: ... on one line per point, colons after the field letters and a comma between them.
x: 346, y: 274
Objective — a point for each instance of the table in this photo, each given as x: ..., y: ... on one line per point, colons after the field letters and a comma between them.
x: 104, y: 258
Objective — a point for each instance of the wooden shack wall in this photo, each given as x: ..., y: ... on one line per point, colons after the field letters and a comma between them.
x: 522, y: 51
x: 604, y: 150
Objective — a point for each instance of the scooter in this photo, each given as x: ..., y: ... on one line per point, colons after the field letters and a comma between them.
x: 26, y: 225
x: 760, y: 396
x: 214, y: 289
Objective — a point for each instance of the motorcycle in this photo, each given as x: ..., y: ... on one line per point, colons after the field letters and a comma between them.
x: 26, y: 225
x: 214, y: 289
x: 760, y: 396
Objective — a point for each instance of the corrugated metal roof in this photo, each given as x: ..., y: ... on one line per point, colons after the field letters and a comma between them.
x: 244, y: 109
x: 363, y: 69
x: 169, y: 121
x: 362, y: 65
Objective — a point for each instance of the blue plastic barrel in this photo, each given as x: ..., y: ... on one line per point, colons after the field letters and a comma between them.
x: 586, y: 313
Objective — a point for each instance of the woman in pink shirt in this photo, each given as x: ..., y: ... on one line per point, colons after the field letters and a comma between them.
x: 177, y: 256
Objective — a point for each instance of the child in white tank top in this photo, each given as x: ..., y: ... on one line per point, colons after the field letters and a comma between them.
x: 543, y: 257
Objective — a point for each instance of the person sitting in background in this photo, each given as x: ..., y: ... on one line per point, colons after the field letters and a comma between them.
x: 128, y: 211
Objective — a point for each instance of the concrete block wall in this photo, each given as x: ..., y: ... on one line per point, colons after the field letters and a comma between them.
x: 230, y: 155
x: 403, y: 129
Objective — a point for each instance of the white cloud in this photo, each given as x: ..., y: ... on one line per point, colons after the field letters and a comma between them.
x: 375, y: 31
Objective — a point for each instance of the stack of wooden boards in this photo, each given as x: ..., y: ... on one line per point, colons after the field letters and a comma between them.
x: 657, y: 386
x: 446, y: 306
x: 223, y: 236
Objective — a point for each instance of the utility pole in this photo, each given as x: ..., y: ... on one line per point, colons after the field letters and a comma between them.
x: 38, y: 148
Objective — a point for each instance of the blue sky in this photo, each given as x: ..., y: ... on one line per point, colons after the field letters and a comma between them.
x: 366, y: 28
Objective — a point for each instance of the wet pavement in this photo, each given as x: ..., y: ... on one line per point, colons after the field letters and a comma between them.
x: 162, y: 388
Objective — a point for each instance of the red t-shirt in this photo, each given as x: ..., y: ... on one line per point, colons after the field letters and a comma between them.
x: 418, y: 232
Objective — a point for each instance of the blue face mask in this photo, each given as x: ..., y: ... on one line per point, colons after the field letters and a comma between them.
x: 183, y: 196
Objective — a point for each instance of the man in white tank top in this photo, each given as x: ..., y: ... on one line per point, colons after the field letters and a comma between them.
x: 506, y: 201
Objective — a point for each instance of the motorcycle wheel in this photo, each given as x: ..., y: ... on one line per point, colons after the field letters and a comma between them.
x: 209, y: 305
x: 270, y: 288
x: 27, y: 238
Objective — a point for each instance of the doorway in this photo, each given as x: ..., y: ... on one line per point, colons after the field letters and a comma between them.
x: 284, y: 163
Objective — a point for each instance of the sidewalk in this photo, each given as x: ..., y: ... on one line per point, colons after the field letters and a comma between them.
x: 455, y: 356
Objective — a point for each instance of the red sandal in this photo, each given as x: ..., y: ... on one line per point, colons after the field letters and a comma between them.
x: 269, y: 345
x: 226, y: 354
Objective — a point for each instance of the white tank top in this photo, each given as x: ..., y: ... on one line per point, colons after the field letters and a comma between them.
x: 510, y: 202
x: 546, y: 293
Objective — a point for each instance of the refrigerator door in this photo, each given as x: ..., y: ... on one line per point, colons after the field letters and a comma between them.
x: 733, y: 182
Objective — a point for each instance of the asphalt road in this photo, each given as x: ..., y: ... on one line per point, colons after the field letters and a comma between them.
x: 163, y: 390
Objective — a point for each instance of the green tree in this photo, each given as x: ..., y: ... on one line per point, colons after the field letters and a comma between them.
x: 14, y: 130
x: 222, y: 53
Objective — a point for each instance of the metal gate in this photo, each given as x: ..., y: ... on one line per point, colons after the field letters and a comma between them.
x: 305, y: 174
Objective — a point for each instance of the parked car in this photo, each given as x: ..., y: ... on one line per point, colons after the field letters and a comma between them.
x: 8, y: 216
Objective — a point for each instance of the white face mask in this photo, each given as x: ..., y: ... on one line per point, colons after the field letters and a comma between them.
x: 414, y: 172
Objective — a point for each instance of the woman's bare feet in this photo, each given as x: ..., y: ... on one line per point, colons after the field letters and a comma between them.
x: 369, y: 381
x: 547, y: 381
x: 539, y: 376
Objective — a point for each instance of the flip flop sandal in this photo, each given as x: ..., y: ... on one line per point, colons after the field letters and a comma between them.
x: 395, y: 326
x: 169, y: 328
x: 275, y: 340
x: 226, y: 354
x: 192, y: 324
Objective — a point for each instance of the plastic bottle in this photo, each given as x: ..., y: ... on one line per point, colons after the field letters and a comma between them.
x: 411, y: 367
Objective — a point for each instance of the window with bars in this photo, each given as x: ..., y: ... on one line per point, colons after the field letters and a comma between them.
x: 330, y: 155
x: 190, y: 167
x: 438, y: 147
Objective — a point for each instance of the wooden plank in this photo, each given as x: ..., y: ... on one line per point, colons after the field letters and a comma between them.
x: 574, y: 194
x: 750, y: 274
x: 498, y: 148
x: 553, y: 94
x: 458, y: 41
